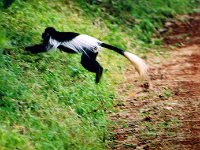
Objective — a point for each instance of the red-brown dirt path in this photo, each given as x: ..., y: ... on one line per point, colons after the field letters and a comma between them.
x: 167, y: 115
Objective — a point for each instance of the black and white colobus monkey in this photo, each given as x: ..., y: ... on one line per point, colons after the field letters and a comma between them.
x: 71, y: 42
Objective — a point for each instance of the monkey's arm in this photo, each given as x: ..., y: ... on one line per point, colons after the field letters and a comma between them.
x: 38, y: 48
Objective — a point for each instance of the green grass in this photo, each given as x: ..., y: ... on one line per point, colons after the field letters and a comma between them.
x: 48, y: 101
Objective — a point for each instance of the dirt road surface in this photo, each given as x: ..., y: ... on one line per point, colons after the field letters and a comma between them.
x: 167, y: 114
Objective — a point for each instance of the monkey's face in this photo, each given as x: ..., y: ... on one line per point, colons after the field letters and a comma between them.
x: 45, y: 36
x: 49, y: 31
x: 46, y: 40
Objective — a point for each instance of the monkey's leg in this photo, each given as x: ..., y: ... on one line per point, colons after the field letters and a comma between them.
x: 89, y: 62
x: 99, y: 73
x: 65, y: 49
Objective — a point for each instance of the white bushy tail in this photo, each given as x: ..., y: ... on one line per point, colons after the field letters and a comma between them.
x: 139, y: 64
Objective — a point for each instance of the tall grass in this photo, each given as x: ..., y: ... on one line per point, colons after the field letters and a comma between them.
x: 48, y: 101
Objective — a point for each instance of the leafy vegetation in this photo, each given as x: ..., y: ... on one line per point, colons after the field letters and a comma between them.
x: 139, y: 17
x: 48, y: 101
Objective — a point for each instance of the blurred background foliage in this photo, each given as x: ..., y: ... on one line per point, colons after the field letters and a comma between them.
x: 48, y: 101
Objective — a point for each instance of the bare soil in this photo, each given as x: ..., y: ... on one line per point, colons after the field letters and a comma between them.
x: 165, y: 115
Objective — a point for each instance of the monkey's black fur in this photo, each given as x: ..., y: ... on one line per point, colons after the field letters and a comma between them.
x: 38, y: 48
x: 59, y: 36
x: 71, y: 42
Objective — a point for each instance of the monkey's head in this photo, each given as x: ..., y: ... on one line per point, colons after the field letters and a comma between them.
x: 49, y: 31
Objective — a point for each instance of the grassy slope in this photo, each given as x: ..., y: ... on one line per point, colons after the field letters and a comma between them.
x: 48, y: 101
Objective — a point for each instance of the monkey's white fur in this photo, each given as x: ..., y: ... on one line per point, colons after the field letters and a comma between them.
x: 82, y: 43
x: 139, y: 64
